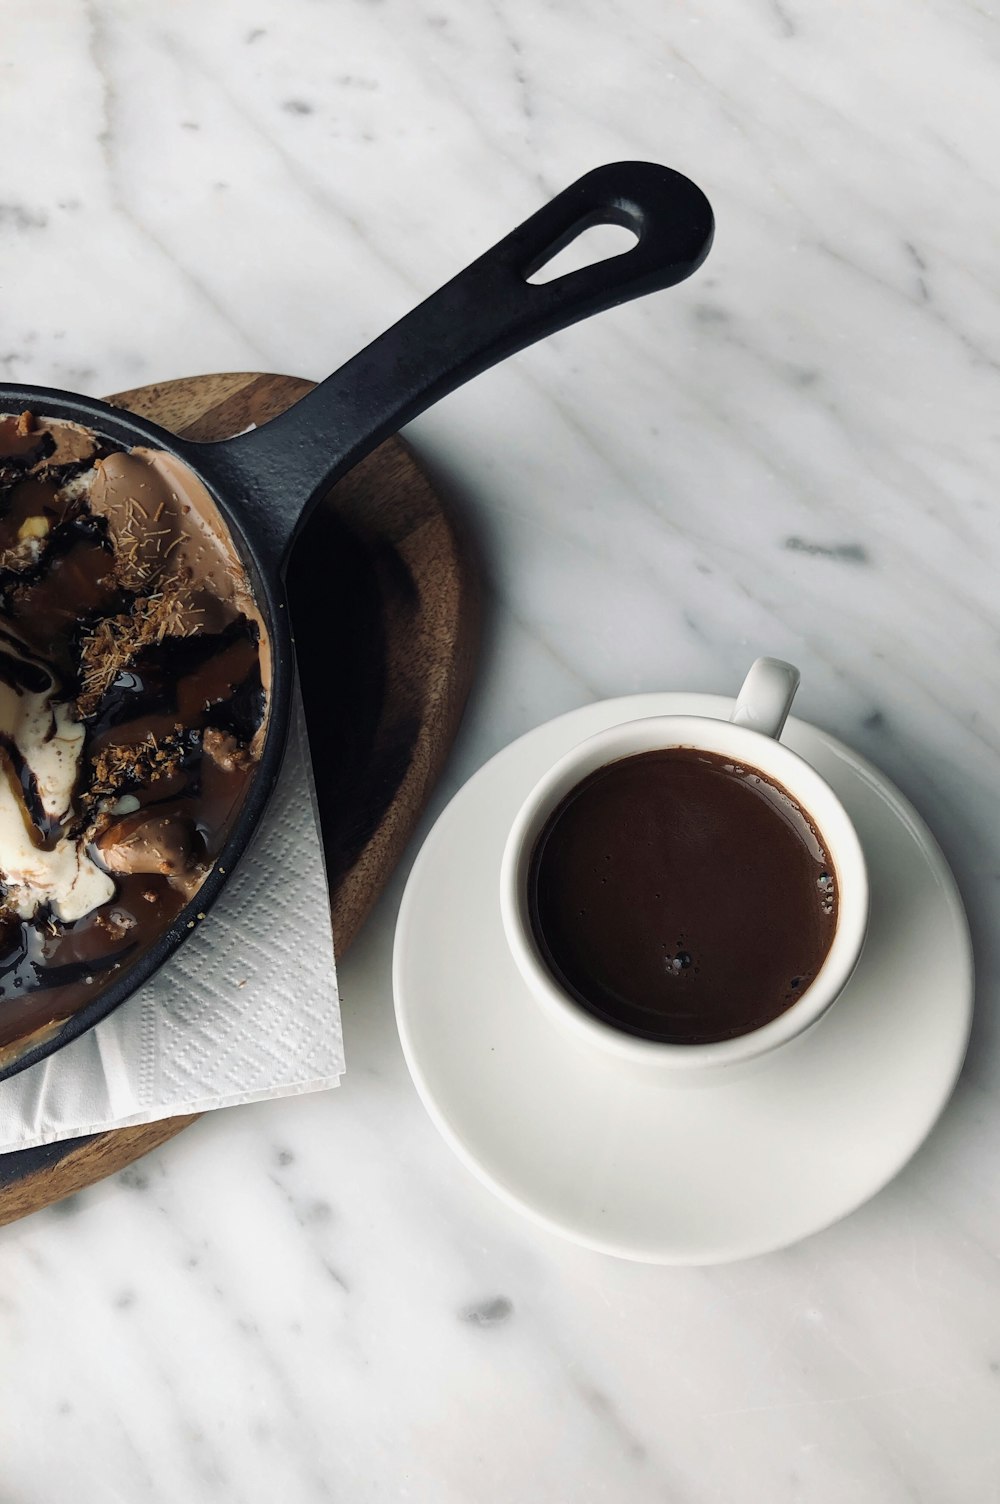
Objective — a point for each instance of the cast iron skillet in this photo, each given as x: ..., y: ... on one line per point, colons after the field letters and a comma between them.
x: 266, y: 482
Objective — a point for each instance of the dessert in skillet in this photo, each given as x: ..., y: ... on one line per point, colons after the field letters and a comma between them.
x: 134, y: 671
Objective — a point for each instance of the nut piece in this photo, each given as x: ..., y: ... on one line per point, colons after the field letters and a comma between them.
x: 115, y: 923
x: 26, y: 424
x: 33, y: 527
x: 226, y: 751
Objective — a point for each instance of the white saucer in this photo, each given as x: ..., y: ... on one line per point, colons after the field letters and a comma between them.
x: 670, y: 1173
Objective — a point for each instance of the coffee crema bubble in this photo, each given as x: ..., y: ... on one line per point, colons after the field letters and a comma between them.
x: 682, y: 897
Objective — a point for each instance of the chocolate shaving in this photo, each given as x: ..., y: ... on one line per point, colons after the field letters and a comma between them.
x: 135, y: 764
x: 114, y: 642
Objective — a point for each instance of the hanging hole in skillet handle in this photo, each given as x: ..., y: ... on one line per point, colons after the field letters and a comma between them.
x: 669, y: 216
x: 595, y: 243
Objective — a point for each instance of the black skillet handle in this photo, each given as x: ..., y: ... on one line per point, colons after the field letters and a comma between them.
x: 486, y: 313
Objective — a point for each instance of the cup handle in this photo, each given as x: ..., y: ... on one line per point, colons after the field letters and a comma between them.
x: 766, y: 697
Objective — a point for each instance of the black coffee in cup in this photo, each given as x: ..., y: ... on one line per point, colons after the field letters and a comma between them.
x: 682, y: 897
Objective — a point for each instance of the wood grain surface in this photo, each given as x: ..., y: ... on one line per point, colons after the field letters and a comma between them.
x: 385, y: 609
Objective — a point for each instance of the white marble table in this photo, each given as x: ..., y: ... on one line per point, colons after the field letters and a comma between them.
x: 797, y: 453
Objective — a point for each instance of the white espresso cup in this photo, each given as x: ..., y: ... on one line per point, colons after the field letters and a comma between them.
x: 751, y: 738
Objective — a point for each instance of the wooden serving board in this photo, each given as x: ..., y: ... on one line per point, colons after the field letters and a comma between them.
x: 385, y: 607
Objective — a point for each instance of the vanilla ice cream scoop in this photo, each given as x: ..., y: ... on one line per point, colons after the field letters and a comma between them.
x: 40, y: 749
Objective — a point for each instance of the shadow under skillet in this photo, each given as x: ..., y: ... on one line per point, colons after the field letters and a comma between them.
x: 341, y: 655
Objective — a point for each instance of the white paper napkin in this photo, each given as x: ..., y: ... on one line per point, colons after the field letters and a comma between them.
x: 246, y: 1009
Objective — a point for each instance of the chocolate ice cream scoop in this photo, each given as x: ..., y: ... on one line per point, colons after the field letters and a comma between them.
x: 147, y: 843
